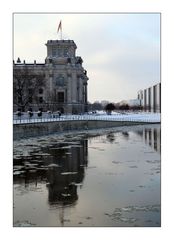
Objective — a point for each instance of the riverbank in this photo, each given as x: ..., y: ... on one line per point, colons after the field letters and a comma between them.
x: 23, y: 130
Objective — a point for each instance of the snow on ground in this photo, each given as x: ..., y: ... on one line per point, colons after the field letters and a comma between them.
x: 99, y: 115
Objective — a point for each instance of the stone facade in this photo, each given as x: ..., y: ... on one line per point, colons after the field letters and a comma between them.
x: 44, y: 128
x: 60, y: 84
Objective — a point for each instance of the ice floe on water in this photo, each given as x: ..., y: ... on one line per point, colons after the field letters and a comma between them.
x: 116, y: 162
x: 18, y: 172
x: 68, y: 173
x: 133, y: 214
x: 24, y: 224
x: 53, y: 165
x: 134, y: 166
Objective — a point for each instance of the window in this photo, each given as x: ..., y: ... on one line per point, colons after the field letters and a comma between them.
x: 60, y: 97
x: 40, y: 99
x: 59, y: 52
x: 40, y: 90
x: 30, y: 100
x: 65, y: 52
x: 30, y: 91
x: 60, y: 80
x: 54, y: 51
x: 68, y: 60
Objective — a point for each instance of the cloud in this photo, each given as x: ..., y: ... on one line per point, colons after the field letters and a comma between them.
x: 121, y: 52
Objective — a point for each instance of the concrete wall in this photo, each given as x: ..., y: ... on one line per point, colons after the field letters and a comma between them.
x: 151, y: 98
x: 40, y: 129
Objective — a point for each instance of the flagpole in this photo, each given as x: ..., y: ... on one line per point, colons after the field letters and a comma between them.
x: 60, y: 28
x: 61, y: 32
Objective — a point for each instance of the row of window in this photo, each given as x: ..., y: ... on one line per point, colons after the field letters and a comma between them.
x: 30, y: 91
x: 30, y: 100
x: 60, y: 80
x: 60, y: 52
x: 60, y: 98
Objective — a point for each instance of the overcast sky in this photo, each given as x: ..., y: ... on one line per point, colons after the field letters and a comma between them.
x: 121, y: 52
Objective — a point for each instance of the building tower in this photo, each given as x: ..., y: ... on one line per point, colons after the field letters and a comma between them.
x: 67, y: 77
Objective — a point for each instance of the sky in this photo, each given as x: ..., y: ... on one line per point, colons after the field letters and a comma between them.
x: 121, y: 51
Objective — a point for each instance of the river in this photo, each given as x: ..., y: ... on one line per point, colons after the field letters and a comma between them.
x: 98, y: 178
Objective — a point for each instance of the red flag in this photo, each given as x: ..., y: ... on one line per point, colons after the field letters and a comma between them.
x: 59, y: 27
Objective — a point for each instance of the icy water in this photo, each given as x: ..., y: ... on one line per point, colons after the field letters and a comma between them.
x: 100, y: 178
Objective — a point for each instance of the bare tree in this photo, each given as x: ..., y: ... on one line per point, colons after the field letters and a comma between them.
x: 109, y: 108
x: 25, y: 86
x: 97, y: 106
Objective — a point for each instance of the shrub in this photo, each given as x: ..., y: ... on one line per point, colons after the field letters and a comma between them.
x: 19, y: 113
x: 39, y: 114
x: 30, y: 113
x: 109, y: 108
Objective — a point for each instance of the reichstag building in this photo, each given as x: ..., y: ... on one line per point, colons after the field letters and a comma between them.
x: 59, y: 84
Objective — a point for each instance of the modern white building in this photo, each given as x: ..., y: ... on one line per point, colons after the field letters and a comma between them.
x: 150, y: 98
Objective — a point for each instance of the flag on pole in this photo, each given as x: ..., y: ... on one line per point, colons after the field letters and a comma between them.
x: 59, y: 27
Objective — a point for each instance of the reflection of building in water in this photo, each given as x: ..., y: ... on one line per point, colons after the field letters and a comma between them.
x: 152, y: 136
x: 63, y: 180
x: 63, y: 169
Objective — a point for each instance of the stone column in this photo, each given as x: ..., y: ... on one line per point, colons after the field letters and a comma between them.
x: 69, y: 94
x: 85, y: 97
x: 69, y: 90
x: 74, y: 87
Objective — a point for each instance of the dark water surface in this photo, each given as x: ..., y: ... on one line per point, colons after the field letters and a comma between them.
x: 100, y: 178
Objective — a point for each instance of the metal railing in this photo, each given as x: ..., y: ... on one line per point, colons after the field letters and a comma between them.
x: 55, y: 117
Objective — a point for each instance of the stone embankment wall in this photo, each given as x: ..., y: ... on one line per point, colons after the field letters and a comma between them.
x: 45, y: 128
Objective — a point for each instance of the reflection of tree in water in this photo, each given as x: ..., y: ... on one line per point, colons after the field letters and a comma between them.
x: 110, y: 137
x: 125, y: 135
x: 63, y: 170
x: 139, y: 132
